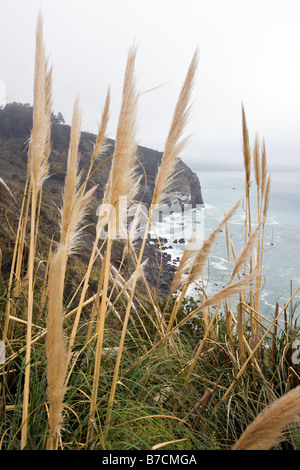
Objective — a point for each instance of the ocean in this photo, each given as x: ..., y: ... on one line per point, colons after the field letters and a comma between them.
x: 281, y: 260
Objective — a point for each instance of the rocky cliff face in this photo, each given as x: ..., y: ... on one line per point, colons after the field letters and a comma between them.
x: 185, y: 189
x: 15, y: 125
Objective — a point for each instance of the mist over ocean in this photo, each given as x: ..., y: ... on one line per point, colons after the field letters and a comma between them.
x: 221, y: 190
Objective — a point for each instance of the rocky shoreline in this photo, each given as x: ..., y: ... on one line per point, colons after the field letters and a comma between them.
x: 161, y: 266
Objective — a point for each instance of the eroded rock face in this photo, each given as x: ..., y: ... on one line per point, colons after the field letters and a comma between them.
x: 186, y: 188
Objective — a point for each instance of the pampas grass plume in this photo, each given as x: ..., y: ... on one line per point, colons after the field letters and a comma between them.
x: 266, y: 430
x: 55, y: 345
x: 174, y: 145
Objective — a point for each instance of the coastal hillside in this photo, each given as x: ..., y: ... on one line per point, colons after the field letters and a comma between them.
x: 15, y: 127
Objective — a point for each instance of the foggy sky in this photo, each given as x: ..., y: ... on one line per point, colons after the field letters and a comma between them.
x: 249, y: 53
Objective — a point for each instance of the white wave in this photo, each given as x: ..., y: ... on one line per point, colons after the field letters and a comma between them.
x: 210, y: 206
x: 221, y: 264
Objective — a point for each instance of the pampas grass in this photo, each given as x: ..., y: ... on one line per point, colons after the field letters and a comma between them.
x: 7, y: 188
x: 266, y: 430
x: 81, y: 197
x: 55, y: 345
x: 38, y: 164
x: 68, y: 220
x: 100, y: 144
x: 246, y: 251
x: 122, y: 183
x: 75, y: 202
x: 266, y: 197
x: 174, y: 145
x: 263, y: 167
x: 38, y: 170
x: 246, y: 153
x: 163, y: 181
x: 256, y: 162
x: 72, y: 213
x: 178, y: 348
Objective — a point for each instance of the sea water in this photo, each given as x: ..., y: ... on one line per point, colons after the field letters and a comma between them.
x: 281, y: 257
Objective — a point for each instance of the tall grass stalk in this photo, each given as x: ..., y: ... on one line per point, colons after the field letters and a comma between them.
x: 55, y: 346
x: 75, y: 202
x: 121, y: 183
x: 38, y: 172
x: 247, y: 167
x: 80, y: 197
x: 268, y: 330
x: 163, y: 181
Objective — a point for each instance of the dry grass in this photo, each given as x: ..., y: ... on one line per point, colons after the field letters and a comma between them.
x: 55, y: 345
x: 175, y: 143
x: 38, y: 171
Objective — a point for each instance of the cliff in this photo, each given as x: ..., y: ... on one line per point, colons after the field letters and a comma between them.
x: 186, y: 188
x: 15, y: 126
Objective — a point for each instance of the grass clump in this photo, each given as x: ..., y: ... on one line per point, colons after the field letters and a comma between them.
x: 115, y: 367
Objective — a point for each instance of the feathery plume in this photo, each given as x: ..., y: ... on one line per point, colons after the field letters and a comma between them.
x: 37, y: 164
x: 134, y: 231
x: 256, y: 162
x: 48, y: 109
x: 225, y: 293
x: 266, y: 430
x: 99, y: 146
x: 37, y: 169
x: 74, y: 203
x: 55, y: 345
x: 122, y: 181
x: 72, y: 179
x: 267, y: 197
x: 121, y: 188
x: 7, y: 188
x: 184, y: 265
x: 73, y: 210
x: 174, y: 145
x: 246, y: 151
x: 263, y: 167
x: 202, y: 255
x: 245, y: 252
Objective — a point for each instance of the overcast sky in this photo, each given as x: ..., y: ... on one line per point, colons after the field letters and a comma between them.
x: 249, y: 52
